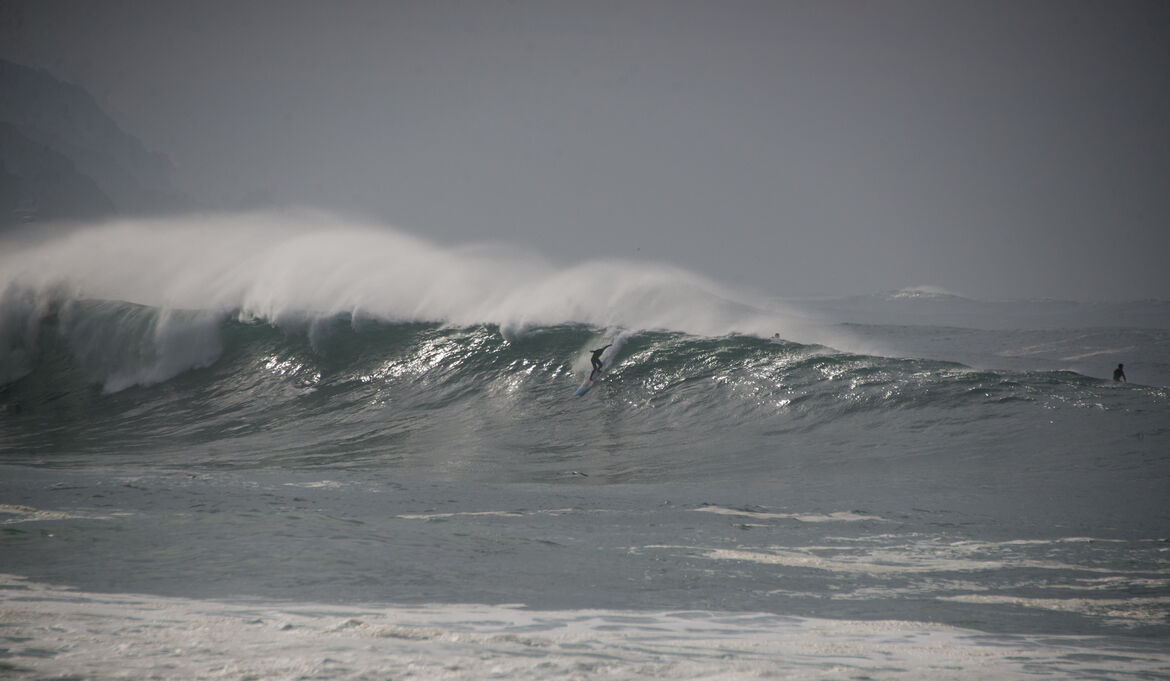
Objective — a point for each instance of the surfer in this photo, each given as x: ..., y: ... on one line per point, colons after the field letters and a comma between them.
x: 1119, y: 373
x: 596, y: 360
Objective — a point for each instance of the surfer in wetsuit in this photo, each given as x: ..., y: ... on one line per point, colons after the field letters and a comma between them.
x: 596, y: 360
x: 1119, y: 373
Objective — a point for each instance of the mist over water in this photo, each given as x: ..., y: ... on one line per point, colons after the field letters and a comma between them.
x: 270, y: 265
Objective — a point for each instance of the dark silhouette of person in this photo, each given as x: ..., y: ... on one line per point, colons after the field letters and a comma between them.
x: 1119, y: 373
x: 596, y: 360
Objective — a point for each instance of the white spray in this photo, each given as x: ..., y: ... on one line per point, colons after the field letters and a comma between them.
x: 281, y: 266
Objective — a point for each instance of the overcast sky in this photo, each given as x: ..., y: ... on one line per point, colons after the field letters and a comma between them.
x: 996, y: 149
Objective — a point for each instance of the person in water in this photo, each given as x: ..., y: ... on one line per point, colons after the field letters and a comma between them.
x: 1119, y: 373
x: 596, y: 360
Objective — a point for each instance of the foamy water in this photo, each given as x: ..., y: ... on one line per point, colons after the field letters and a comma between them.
x: 58, y: 633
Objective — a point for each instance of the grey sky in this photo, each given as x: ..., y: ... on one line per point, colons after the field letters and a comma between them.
x: 998, y: 149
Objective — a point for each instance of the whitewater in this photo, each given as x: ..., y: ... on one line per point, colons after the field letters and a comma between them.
x: 294, y: 445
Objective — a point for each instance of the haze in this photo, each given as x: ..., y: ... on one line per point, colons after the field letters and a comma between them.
x: 995, y: 149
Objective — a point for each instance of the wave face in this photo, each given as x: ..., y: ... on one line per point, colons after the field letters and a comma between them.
x: 124, y: 383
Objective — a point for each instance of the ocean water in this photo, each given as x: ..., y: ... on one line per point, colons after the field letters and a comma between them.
x: 292, y: 446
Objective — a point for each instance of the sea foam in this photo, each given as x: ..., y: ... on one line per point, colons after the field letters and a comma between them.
x: 101, y: 636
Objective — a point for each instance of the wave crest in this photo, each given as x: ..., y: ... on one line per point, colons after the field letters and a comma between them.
x: 272, y: 265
